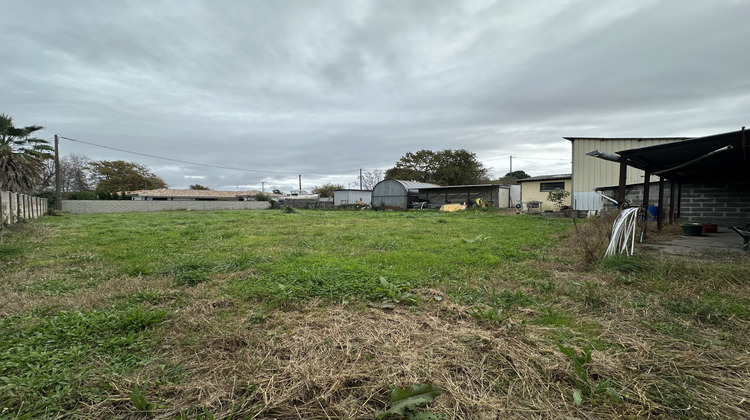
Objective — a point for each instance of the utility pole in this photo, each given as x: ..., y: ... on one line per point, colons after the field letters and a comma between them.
x: 262, y: 186
x: 58, y: 195
x: 360, y: 179
x: 300, y: 182
x: 511, y: 166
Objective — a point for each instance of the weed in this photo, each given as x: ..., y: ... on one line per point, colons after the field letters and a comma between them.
x: 411, y: 403
x: 288, y: 209
x: 140, y: 402
x: 190, y: 278
x: 591, y: 237
x: 152, y: 297
x: 624, y: 264
x: 507, y: 299
x: 492, y: 315
x: 258, y: 318
x: 551, y: 318
x: 395, y: 292
x: 586, y: 387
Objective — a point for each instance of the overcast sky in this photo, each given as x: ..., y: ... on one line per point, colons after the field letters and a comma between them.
x: 323, y: 88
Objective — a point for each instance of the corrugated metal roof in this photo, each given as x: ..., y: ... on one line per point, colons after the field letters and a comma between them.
x: 627, y: 138
x: 414, y: 185
x: 546, y: 177
x: 466, y: 186
x: 699, y: 158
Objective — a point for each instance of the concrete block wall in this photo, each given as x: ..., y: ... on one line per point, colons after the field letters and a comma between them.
x: 724, y: 204
x: 634, y: 196
x: 126, y: 206
x: 16, y: 206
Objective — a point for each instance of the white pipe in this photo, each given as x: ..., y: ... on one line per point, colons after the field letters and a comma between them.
x: 624, y: 229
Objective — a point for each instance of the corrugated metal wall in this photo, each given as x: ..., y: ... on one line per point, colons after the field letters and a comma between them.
x: 351, y: 197
x: 389, y: 193
x: 590, y: 172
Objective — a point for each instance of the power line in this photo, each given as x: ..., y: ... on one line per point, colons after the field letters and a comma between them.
x: 524, y: 158
x: 197, y: 163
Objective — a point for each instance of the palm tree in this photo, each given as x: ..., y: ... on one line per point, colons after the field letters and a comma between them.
x: 21, y: 156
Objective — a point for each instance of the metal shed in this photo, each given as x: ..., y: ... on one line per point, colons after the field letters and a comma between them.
x: 396, y: 194
x: 342, y: 197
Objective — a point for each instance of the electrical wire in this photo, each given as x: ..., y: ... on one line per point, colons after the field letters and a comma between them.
x: 197, y: 163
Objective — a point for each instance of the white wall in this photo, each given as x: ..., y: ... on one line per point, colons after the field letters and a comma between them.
x: 351, y: 197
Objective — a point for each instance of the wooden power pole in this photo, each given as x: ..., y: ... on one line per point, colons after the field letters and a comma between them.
x: 58, y: 195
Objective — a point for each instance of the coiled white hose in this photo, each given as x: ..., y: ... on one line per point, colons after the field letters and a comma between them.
x: 623, y: 231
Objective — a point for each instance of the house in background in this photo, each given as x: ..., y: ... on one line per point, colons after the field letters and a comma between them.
x: 535, y: 189
x: 168, y: 194
x: 343, y: 197
x: 589, y: 173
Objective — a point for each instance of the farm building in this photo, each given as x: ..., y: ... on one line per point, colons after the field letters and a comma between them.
x: 589, y: 173
x: 502, y: 196
x: 536, y: 188
x: 705, y: 180
x: 343, y: 197
x: 396, y: 194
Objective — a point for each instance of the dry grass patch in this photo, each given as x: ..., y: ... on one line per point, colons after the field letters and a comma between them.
x: 333, y: 361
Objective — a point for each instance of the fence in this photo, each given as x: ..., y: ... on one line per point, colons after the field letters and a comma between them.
x: 15, y: 207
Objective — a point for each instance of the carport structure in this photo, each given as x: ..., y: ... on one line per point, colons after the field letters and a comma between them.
x: 494, y: 195
x: 709, y: 177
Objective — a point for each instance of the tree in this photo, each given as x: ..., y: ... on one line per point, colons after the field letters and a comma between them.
x: 518, y: 175
x: 368, y: 179
x: 117, y: 175
x: 198, y: 187
x: 558, y: 196
x: 22, y: 157
x: 326, y: 190
x: 446, y: 167
x: 512, y: 177
x: 74, y: 174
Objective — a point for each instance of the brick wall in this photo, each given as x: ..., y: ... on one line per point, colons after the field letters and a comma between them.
x: 724, y: 204
x: 126, y: 206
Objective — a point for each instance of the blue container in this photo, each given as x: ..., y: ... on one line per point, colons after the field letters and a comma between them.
x: 653, y: 212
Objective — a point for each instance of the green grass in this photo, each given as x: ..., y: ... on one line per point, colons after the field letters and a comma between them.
x: 315, y: 254
x: 51, y: 361
x: 101, y: 295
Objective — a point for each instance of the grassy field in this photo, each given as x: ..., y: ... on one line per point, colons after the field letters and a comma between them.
x: 316, y: 315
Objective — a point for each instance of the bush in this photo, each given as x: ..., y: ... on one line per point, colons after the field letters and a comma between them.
x: 590, y: 238
x: 82, y: 195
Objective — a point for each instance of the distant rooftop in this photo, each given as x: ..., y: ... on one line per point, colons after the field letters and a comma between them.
x: 546, y: 177
x: 168, y: 192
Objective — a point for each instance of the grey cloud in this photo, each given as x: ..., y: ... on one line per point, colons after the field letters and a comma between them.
x: 323, y: 87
